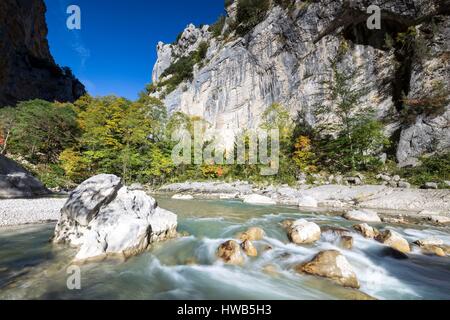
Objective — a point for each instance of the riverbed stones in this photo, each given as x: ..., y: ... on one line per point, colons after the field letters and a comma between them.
x: 287, y: 223
x: 432, y: 246
x: 362, y: 215
x: 429, y: 242
x: 366, y: 230
x: 394, y: 240
x: 258, y: 200
x: 333, y: 265
x: 404, y: 185
x: 102, y: 217
x: 303, y: 232
x: 252, y: 234
x: 430, y: 185
x: 431, y: 249
x: 346, y: 242
x: 439, y: 219
x: 307, y: 202
x: 182, y: 197
x: 249, y: 249
x: 230, y: 252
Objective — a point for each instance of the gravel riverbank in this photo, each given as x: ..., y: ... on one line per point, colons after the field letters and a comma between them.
x: 26, y: 211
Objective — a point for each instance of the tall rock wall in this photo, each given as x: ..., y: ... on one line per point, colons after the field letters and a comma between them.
x: 286, y: 59
x: 27, y: 69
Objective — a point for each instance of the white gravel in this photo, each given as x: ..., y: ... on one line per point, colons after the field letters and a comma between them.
x: 15, y: 212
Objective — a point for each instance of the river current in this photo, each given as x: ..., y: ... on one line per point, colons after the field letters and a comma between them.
x: 187, y: 268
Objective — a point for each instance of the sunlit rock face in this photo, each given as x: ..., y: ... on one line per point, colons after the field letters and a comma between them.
x: 27, y: 69
x: 286, y: 59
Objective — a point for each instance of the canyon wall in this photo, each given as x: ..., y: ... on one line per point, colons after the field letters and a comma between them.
x: 287, y: 57
x: 27, y: 69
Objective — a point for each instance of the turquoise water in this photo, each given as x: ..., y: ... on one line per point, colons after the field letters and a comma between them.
x: 186, y: 268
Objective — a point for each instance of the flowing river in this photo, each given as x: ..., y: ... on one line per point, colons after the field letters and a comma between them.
x: 187, y: 268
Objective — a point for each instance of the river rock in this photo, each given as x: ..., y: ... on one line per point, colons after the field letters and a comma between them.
x: 258, y: 199
x: 392, y: 220
x: 303, y: 232
x: 230, y: 252
x: 16, y: 182
x: 362, y: 215
x: 431, y: 185
x: 336, y: 231
x: 182, y: 197
x: 252, y: 234
x: 432, y: 249
x: 440, y: 219
x: 308, y: 202
x: 366, y: 230
x: 353, y: 181
x: 404, y: 185
x: 249, y: 249
x: 102, y: 217
x: 286, y: 224
x: 333, y: 265
x: 429, y: 242
x: 394, y: 240
x: 271, y: 270
x: 432, y: 246
x: 346, y: 242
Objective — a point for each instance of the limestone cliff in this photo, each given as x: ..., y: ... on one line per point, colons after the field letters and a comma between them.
x: 27, y: 69
x: 286, y: 59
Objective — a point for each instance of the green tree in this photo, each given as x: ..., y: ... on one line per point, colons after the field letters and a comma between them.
x: 359, y: 135
x: 39, y: 130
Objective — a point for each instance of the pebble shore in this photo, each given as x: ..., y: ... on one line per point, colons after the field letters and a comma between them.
x: 15, y: 212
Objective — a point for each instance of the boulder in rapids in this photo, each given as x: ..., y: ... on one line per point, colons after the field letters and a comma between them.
x: 394, y: 240
x: 230, y: 252
x: 366, y: 230
x: 252, y: 234
x: 102, y: 217
x: 303, y: 232
x: 333, y: 265
x: 249, y: 249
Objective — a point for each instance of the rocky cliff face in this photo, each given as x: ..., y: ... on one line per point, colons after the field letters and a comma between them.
x: 27, y: 69
x: 286, y: 59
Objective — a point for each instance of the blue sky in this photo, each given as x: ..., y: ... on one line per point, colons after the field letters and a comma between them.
x: 115, y: 49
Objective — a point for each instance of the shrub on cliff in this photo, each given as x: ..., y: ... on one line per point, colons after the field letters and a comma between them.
x: 249, y: 14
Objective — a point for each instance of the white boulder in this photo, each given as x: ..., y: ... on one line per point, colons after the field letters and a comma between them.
x: 258, y: 199
x: 362, y: 215
x: 103, y: 218
x: 182, y: 197
x: 308, y: 202
x: 303, y: 232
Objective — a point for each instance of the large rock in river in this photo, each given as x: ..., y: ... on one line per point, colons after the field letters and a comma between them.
x: 16, y: 182
x: 102, y: 217
x: 230, y: 252
x: 303, y: 232
x: 362, y: 215
x: 394, y: 240
x: 259, y: 200
x: 333, y: 265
